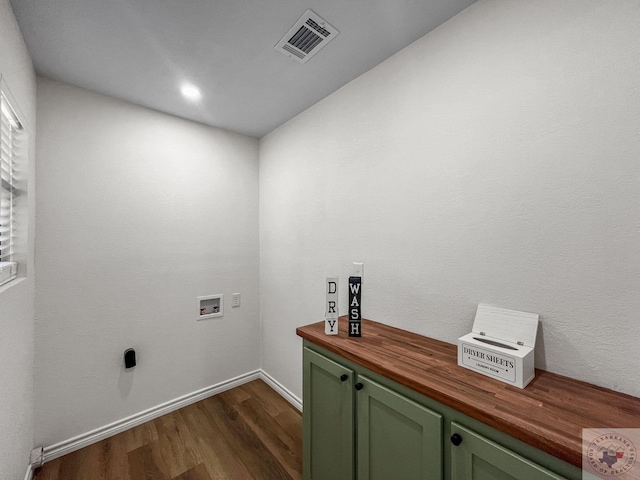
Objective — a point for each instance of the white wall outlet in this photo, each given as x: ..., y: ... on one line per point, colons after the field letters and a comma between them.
x: 358, y: 270
x: 235, y: 300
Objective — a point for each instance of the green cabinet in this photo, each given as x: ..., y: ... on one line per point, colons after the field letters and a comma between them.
x: 393, y: 437
x: 327, y: 419
x: 478, y: 458
x: 397, y: 438
x: 360, y: 425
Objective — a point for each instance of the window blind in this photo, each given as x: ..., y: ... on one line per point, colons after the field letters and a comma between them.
x: 9, y: 128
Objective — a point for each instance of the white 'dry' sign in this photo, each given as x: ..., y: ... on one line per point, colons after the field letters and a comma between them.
x: 501, y: 345
x: 331, y: 313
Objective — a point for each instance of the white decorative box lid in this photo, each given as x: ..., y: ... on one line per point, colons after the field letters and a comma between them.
x: 510, y: 326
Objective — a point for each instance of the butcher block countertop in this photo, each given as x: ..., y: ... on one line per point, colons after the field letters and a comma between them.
x: 548, y: 414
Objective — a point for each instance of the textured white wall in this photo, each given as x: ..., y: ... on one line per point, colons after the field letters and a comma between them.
x: 16, y: 300
x: 138, y: 214
x: 494, y: 160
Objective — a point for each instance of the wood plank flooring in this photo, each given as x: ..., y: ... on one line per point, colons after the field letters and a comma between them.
x: 248, y: 432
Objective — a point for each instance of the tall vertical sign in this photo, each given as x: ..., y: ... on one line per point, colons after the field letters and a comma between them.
x: 355, y: 312
x: 331, y: 314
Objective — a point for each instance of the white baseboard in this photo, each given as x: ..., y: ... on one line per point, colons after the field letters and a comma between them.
x: 284, y: 392
x: 29, y: 474
x: 81, y: 441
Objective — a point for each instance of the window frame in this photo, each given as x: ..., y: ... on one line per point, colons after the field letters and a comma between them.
x: 12, y: 133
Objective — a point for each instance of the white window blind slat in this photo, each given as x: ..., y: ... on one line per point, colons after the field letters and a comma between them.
x: 5, y: 155
x: 5, y: 252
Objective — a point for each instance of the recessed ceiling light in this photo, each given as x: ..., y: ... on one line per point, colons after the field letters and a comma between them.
x: 190, y: 91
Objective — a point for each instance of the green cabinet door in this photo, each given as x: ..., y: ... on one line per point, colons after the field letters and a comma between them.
x: 397, y: 439
x: 327, y: 419
x: 478, y: 458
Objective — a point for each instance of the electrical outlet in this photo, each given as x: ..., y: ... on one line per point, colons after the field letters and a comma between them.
x: 358, y: 270
x: 235, y: 300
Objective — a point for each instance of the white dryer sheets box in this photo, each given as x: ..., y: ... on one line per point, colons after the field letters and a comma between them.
x: 501, y: 345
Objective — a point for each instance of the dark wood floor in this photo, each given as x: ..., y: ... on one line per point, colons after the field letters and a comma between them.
x: 249, y: 432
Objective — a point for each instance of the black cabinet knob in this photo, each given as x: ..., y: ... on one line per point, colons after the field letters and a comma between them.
x: 456, y: 439
x: 344, y: 377
x: 359, y: 386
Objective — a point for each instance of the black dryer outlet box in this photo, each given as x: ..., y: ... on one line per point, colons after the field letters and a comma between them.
x: 129, y: 358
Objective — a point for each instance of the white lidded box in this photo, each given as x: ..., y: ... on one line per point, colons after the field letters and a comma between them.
x: 501, y: 345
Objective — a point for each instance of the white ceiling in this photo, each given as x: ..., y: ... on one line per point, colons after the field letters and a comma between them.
x: 141, y: 50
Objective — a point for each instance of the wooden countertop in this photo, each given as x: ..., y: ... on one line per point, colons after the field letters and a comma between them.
x: 548, y: 414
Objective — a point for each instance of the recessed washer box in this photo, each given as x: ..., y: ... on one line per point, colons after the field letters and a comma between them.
x: 211, y: 306
x: 501, y: 345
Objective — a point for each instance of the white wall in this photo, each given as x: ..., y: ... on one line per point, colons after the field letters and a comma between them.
x: 138, y: 214
x: 16, y: 299
x: 494, y: 160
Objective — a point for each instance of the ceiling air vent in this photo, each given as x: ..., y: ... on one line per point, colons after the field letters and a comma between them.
x: 307, y: 37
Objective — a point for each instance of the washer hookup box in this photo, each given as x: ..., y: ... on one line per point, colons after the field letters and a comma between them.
x: 501, y: 345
